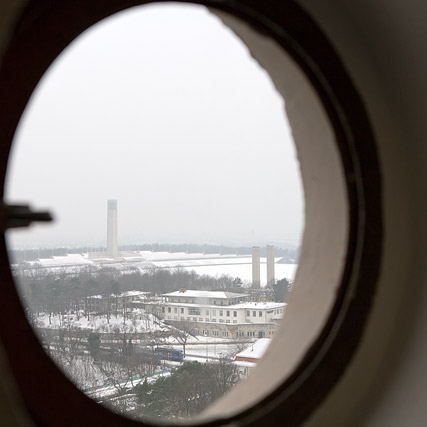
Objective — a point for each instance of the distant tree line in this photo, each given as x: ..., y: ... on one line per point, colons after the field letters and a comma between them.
x: 58, y: 293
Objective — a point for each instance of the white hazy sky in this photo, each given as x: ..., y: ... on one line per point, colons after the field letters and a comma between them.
x: 162, y: 108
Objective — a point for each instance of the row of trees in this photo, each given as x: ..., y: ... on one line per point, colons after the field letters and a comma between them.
x: 94, y: 359
x: 119, y: 356
x: 92, y: 363
x: 60, y: 292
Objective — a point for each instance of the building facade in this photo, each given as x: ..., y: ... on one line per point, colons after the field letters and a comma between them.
x: 224, y: 314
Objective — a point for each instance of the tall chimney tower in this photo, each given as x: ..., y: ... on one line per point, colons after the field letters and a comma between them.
x: 256, y: 268
x: 112, y: 245
x: 270, y: 266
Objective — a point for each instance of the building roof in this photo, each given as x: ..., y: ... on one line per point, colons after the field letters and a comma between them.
x: 248, y: 305
x: 262, y: 305
x: 59, y: 261
x: 203, y: 294
x: 255, y: 350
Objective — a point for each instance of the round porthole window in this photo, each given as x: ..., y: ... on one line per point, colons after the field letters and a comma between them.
x: 173, y: 179
x: 341, y: 244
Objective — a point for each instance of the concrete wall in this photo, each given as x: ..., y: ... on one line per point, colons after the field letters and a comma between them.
x: 270, y: 266
x: 112, y: 230
x: 256, y: 267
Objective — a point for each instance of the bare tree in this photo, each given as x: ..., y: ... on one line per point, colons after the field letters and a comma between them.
x: 123, y: 374
x: 152, y: 341
x: 182, y: 331
x: 239, y: 345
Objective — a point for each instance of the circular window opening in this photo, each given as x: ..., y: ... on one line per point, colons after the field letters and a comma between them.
x: 341, y: 244
x: 146, y: 142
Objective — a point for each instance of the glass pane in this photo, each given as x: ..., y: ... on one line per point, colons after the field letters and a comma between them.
x: 165, y: 154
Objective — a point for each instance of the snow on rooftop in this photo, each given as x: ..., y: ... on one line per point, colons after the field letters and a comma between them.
x: 259, y: 305
x: 56, y: 261
x: 255, y: 350
x: 201, y: 262
x: 203, y: 294
x: 267, y: 305
x: 170, y: 256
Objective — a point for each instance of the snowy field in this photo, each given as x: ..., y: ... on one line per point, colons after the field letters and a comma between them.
x: 209, y: 350
x: 217, y: 265
x: 211, y: 264
x: 244, y: 271
x: 139, y: 323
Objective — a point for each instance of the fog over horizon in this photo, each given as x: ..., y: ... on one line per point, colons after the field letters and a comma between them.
x: 181, y: 126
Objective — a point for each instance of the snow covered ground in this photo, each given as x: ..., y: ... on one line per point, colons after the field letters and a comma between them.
x: 107, y: 389
x: 209, y: 351
x: 210, y: 264
x: 244, y: 271
x: 139, y: 323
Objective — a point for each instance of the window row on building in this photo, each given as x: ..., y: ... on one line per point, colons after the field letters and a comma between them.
x: 197, y: 311
x: 198, y: 319
x: 238, y: 334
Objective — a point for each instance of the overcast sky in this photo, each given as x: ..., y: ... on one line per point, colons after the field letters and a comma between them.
x: 162, y: 108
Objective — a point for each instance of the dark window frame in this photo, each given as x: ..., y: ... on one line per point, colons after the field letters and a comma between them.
x: 42, y: 31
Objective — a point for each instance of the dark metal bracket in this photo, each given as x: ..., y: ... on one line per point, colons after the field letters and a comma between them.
x: 15, y: 216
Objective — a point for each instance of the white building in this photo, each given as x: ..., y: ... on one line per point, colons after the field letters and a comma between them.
x: 212, y: 310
